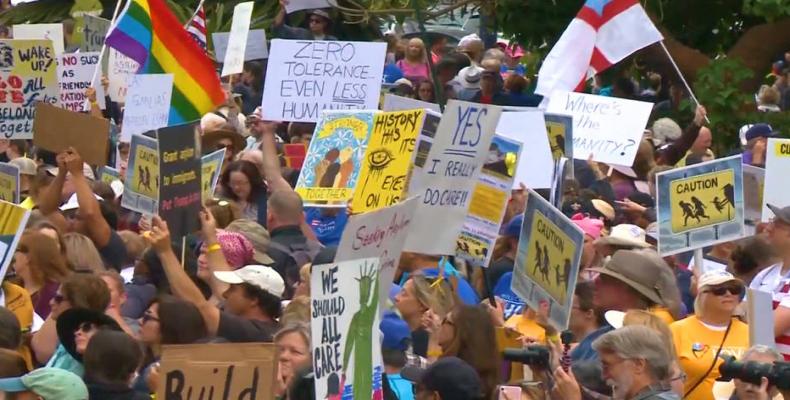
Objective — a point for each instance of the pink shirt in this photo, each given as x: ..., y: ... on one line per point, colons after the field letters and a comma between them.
x: 414, y: 71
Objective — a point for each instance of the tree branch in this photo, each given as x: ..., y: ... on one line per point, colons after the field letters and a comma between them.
x: 758, y: 46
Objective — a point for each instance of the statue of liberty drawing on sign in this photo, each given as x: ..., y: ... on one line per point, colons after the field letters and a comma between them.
x: 359, y: 337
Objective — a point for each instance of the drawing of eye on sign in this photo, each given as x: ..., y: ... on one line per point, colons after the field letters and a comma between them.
x: 609, y: 128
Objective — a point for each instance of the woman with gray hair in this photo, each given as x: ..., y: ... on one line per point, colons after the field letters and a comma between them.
x: 712, y: 332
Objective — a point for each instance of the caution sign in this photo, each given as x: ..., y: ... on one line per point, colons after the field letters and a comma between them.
x: 700, y: 205
x: 560, y: 130
x: 141, y: 186
x: 547, y: 262
x: 702, y: 200
x: 777, y: 164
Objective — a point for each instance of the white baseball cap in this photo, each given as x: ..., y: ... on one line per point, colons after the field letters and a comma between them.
x: 73, y: 203
x: 260, y: 276
x: 716, y: 277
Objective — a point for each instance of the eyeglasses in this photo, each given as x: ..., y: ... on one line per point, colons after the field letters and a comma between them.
x: 58, y: 298
x: 722, y: 290
x: 86, y: 327
x: 148, y: 317
x: 681, y: 377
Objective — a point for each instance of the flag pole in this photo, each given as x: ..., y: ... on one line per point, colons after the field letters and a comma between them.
x: 682, y: 78
x: 104, y: 42
x: 197, y: 10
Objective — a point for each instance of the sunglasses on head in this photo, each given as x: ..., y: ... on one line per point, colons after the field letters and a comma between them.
x: 722, y: 290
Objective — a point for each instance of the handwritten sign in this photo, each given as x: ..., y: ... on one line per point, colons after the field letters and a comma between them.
x: 94, y: 32
x: 75, y: 71
x: 141, y: 186
x: 489, y: 201
x: 777, y: 164
x: 78, y: 12
x: 379, y: 234
x: 388, y: 159
x: 297, y: 5
x: 234, y: 56
x: 242, y: 371
x: 304, y: 77
x: 9, y: 183
x: 179, y: 178
x: 399, y: 103
x: 57, y: 129
x: 331, y: 168
x: 14, y: 220
x: 700, y: 205
x: 447, y: 180
x: 51, y: 32
x: 609, y: 128
x: 211, y: 165
x: 549, y: 252
x: 345, y: 335
x: 120, y: 70
x: 28, y: 74
x: 529, y: 127
x: 147, y: 104
x: 255, y: 50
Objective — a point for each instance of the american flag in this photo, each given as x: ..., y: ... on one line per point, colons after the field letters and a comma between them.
x: 197, y: 28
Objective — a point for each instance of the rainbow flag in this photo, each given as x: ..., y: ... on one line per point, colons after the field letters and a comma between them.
x: 149, y: 33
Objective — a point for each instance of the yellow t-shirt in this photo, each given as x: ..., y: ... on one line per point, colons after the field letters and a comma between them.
x: 663, y: 313
x: 696, y: 345
x: 527, y: 327
x: 17, y: 300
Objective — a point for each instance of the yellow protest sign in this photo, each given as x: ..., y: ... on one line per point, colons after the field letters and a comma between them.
x: 13, y: 219
x: 702, y: 200
x: 559, y: 128
x: 388, y: 159
x: 145, y: 176
x: 141, y: 186
x: 551, y: 254
x: 9, y: 183
x: 781, y: 148
x: 211, y: 164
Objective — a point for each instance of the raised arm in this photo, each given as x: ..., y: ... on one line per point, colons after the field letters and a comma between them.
x: 216, y: 260
x: 97, y: 227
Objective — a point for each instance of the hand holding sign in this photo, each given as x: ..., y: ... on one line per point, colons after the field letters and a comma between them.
x: 73, y: 161
x: 159, y: 236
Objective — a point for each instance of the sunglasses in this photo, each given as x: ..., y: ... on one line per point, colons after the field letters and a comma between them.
x: 58, y: 298
x: 221, y: 146
x: 722, y: 290
x: 148, y: 317
x: 86, y: 327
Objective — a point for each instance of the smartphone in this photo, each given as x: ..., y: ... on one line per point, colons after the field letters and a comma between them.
x: 509, y: 393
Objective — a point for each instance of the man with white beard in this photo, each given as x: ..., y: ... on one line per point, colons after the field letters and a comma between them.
x: 636, y: 363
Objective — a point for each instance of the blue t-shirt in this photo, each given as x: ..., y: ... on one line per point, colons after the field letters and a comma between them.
x: 392, y: 73
x: 402, y: 388
x: 584, y: 351
x: 327, y: 228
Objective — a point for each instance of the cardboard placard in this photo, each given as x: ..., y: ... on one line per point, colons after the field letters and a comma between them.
x: 14, y: 218
x: 141, y: 186
x: 28, y: 74
x: 609, y: 128
x: 449, y: 175
x: 331, y: 169
x: 305, y: 77
x: 700, y: 205
x: 94, y: 33
x: 109, y: 174
x: 560, y: 130
x: 211, y: 165
x: 529, y: 127
x: 761, y: 323
x: 233, y: 62
x: 180, y: 178
x: 120, y: 70
x: 549, y: 252
x: 297, y: 5
x: 243, y: 371
x: 384, y: 173
x: 9, y: 183
x: 255, y: 49
x: 147, y: 104
x: 399, y: 103
x: 753, y: 187
x: 75, y: 71
x: 344, y: 324
x: 56, y: 129
x: 777, y: 164
x: 50, y: 32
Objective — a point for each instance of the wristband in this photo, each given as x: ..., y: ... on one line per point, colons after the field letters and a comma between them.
x: 214, y: 247
x: 553, y: 338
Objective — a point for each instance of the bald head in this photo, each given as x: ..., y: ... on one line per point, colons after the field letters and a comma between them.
x: 285, y: 208
x: 703, y: 142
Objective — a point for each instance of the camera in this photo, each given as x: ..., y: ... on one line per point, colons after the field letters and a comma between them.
x: 778, y: 373
x: 536, y: 356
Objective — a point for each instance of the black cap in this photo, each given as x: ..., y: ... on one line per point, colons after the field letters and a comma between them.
x: 782, y: 214
x: 451, y: 377
x: 643, y: 199
x: 71, y: 319
x: 578, y: 205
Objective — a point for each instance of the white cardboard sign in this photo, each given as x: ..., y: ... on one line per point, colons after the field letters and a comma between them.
x: 297, y: 5
x: 234, y: 56
x: 147, y: 104
x: 399, y: 103
x: 75, y: 71
x: 53, y: 32
x: 529, y: 127
x: 120, y: 70
x: 256, y: 45
x: 777, y: 164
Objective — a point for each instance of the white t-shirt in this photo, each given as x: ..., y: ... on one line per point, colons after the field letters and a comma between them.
x: 771, y: 280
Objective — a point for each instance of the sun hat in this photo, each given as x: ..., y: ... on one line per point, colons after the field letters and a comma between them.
x: 210, y: 138
x: 469, y: 77
x: 237, y: 249
x: 665, y: 130
x: 782, y: 214
x: 625, y: 235
x: 48, y: 383
x: 73, y: 203
x: 26, y: 166
x: 70, y: 320
x: 260, y: 276
x: 644, y: 271
x: 590, y: 226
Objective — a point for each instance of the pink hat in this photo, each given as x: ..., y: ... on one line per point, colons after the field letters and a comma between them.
x: 236, y: 248
x: 592, y: 227
x: 511, y: 50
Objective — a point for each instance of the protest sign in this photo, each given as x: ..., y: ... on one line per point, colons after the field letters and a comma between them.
x: 75, y: 71
x: 489, y: 201
x: 344, y: 325
x: 50, y: 32
x: 761, y: 323
x: 560, y: 130
x: 378, y: 234
x: 233, y: 62
x: 398, y: 103
x: 141, y: 186
x: 147, y: 104
x: 449, y: 176
x: 94, y: 32
x: 700, y: 205
x: 304, y: 77
x: 120, y: 70
x: 9, y: 183
x: 331, y: 168
x: 210, y: 167
x: 238, y: 371
x: 109, y: 174
x: 609, y: 128
x: 529, y: 127
x: 28, y: 74
x: 549, y: 252
x: 78, y: 12
x: 297, y: 5
x: 57, y: 129
x: 255, y: 50
x: 753, y: 184
x: 384, y: 172
x: 13, y: 219
x: 294, y: 154
x: 179, y: 178
x: 777, y: 164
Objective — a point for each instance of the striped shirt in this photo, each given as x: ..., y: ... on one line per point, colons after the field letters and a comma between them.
x: 771, y: 280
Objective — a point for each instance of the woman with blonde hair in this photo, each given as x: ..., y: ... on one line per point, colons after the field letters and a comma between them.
x: 419, y: 296
x: 38, y: 262
x: 293, y: 352
x: 82, y: 254
x: 415, y: 65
